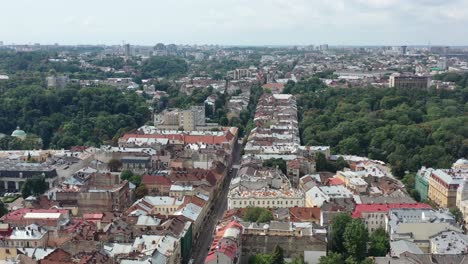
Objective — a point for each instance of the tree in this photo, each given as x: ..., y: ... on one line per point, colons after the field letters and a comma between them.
x: 141, y: 191
x: 3, y: 209
x: 278, y: 256
x: 332, y: 258
x: 298, y: 260
x: 258, y: 214
x: 36, y: 185
x: 321, y: 162
x: 337, y: 230
x: 341, y: 164
x: 276, y: 163
x: 126, y: 175
x: 136, y: 180
x: 355, y: 239
x: 457, y: 214
x: 260, y: 259
x: 265, y: 216
x: 368, y: 261
x: 114, y: 165
x: 379, y: 243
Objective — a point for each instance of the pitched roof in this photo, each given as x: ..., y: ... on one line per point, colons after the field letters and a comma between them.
x: 368, y: 208
x: 155, y: 179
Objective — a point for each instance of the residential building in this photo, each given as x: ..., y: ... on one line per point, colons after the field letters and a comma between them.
x: 409, y: 81
x: 227, y: 244
x: 422, y: 182
x: 376, y: 215
x: 450, y: 243
x: 14, y: 173
x: 419, y: 225
x: 52, y: 219
x: 318, y: 195
x: 268, y: 198
x: 443, y: 186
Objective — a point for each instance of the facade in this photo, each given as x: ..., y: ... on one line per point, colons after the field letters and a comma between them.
x: 409, y: 82
x: 419, y: 225
x: 101, y: 193
x: 422, y: 182
x: 266, y: 199
x: 14, y: 173
x: 52, y: 219
x: 443, y: 185
x: 227, y: 244
x: 376, y: 215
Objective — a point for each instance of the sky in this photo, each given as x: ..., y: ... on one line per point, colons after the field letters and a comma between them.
x: 235, y: 22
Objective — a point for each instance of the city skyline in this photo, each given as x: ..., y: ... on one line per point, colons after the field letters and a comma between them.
x: 239, y: 23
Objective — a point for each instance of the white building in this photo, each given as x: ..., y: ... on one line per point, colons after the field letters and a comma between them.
x: 265, y: 198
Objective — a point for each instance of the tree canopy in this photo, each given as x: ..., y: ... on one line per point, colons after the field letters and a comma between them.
x: 257, y: 214
x: 36, y: 185
x: 68, y: 117
x: 408, y: 129
x: 163, y: 66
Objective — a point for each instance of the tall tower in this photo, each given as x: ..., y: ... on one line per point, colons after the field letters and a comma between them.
x: 127, y: 50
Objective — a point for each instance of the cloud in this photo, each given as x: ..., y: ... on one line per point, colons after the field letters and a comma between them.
x: 238, y: 21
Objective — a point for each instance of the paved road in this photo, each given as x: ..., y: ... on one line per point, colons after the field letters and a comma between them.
x: 203, y: 243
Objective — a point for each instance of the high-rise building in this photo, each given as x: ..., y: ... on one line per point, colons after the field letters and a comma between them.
x: 127, y: 50
x: 57, y: 81
x: 403, y: 50
x: 442, y: 63
x: 409, y: 81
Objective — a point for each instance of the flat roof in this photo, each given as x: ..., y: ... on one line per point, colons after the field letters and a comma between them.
x: 41, y: 215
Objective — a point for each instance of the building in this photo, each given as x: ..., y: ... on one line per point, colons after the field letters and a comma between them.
x: 14, y: 173
x: 318, y: 195
x: 443, y: 186
x: 376, y: 215
x: 192, y: 118
x: 409, y: 81
x: 238, y: 74
x: 271, y: 198
x: 57, y: 81
x: 450, y: 243
x: 293, y: 237
x: 18, y: 133
x: 29, y: 236
x: 227, y: 244
x: 98, y: 193
x: 419, y: 225
x: 52, y: 219
x: 422, y: 182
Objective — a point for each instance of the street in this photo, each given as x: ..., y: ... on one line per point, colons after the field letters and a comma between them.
x: 203, y: 243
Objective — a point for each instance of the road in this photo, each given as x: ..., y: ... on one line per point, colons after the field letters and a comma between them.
x: 203, y: 243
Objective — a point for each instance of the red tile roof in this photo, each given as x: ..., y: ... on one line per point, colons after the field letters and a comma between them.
x: 224, y: 246
x: 273, y: 86
x: 187, y: 138
x: 152, y: 180
x: 19, y: 214
x: 335, y: 181
x: 302, y: 214
x: 368, y: 208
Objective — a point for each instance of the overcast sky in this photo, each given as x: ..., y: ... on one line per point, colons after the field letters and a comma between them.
x: 235, y: 22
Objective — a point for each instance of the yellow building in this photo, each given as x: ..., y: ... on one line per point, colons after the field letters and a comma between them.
x: 443, y: 186
x: 8, y: 253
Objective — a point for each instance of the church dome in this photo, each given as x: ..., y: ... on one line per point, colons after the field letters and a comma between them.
x: 19, y: 133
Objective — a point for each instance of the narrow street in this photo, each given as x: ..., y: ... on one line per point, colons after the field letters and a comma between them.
x: 203, y: 243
